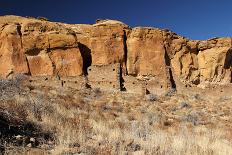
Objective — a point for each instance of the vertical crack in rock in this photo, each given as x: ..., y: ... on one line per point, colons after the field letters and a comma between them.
x: 124, y: 65
x: 75, y: 36
x: 125, y: 50
x: 121, y: 80
x: 168, y: 62
x: 231, y: 61
x: 228, y: 61
x: 20, y: 34
x: 169, y: 68
x: 19, y: 30
x: 85, y: 54
x: 53, y: 64
x: 86, y: 57
x: 28, y: 66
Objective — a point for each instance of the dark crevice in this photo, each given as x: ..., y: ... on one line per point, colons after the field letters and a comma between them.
x: 86, y: 56
x: 20, y: 34
x: 173, y: 84
x: 19, y: 29
x: 75, y: 36
x: 121, y: 80
x: 228, y: 63
x: 167, y: 59
x: 33, y: 52
x: 169, y: 67
x: 125, y: 50
x: 228, y: 60
x: 28, y: 66
x: 9, y: 74
x: 53, y: 64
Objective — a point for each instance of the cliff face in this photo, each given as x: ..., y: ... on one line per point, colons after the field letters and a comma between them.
x: 42, y: 48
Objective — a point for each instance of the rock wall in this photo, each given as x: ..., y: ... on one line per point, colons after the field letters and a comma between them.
x: 106, y: 77
x: 198, y: 63
x: 77, y: 82
x: 38, y: 48
x: 158, y: 57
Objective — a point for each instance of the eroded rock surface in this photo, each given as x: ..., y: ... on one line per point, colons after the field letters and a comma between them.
x: 147, y: 55
x: 42, y: 48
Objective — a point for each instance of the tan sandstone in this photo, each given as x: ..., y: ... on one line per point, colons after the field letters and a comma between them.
x: 153, y: 56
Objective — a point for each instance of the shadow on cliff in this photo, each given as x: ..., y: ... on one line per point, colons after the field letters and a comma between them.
x: 87, y: 57
x: 228, y: 62
x: 168, y: 63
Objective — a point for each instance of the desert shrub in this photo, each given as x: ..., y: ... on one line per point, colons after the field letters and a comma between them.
x: 224, y: 98
x: 196, y: 97
x: 97, y: 92
x: 192, y: 118
x: 184, y: 104
x: 38, y: 106
x: 151, y: 97
x: 10, y: 87
x: 170, y: 92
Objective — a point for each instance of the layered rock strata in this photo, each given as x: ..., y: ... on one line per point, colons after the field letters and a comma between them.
x: 153, y: 56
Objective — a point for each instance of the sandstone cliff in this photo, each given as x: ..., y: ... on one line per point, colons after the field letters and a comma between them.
x: 42, y: 48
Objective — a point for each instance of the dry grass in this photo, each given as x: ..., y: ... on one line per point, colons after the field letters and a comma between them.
x: 94, y: 122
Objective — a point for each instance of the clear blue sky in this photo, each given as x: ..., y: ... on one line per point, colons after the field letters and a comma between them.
x: 195, y: 19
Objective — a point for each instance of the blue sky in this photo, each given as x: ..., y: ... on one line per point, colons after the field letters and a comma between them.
x: 194, y: 19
